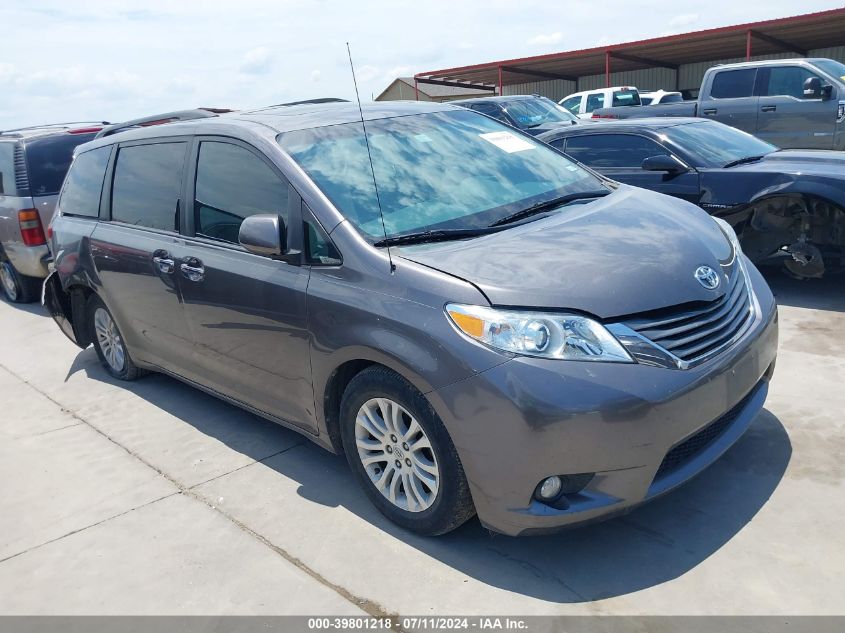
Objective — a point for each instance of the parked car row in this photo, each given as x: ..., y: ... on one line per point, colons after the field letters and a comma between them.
x: 791, y: 103
x: 481, y: 324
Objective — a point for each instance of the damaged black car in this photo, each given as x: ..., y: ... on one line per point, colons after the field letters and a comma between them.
x: 783, y: 204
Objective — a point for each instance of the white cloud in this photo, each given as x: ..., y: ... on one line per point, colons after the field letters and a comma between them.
x: 684, y: 19
x: 545, y: 39
x: 121, y: 59
x: 682, y: 23
x: 257, y: 61
x: 366, y: 73
x: 398, y: 71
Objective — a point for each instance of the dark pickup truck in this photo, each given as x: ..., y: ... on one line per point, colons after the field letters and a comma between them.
x: 791, y: 103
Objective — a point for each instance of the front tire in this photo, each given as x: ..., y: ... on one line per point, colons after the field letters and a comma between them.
x: 109, y: 343
x: 402, y: 455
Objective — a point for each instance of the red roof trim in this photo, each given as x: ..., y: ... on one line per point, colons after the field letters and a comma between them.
x: 735, y: 29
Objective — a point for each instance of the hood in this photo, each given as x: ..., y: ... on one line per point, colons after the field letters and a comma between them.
x: 629, y: 252
x: 803, y: 161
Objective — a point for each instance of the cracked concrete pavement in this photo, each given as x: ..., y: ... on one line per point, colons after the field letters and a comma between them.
x: 155, y: 498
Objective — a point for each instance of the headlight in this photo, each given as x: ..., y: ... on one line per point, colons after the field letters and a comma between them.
x: 543, y: 334
x: 729, y: 232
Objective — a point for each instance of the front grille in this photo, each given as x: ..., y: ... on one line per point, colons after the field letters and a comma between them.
x: 696, y: 443
x: 693, y: 331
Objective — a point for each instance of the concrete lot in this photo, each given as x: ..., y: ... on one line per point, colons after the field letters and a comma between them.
x: 152, y: 497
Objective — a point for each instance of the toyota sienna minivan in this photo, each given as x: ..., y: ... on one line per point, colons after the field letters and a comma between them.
x: 480, y: 324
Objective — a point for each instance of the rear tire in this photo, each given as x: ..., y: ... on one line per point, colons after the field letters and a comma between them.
x: 109, y: 342
x: 402, y: 455
x: 18, y: 288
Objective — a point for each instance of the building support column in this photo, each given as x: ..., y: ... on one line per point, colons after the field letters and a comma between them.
x: 416, y: 90
x: 748, y: 38
x: 607, y: 68
x: 500, y: 80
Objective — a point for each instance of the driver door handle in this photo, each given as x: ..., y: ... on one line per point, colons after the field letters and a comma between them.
x: 163, y: 261
x: 769, y: 108
x: 192, y: 269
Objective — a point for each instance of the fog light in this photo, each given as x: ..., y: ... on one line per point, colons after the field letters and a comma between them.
x: 549, y: 488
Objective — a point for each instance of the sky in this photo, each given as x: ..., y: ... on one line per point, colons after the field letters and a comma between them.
x: 86, y: 60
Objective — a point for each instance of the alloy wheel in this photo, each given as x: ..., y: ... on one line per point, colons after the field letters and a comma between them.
x: 397, y: 455
x: 109, y: 339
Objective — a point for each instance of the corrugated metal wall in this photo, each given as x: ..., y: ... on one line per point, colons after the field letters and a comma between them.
x: 689, y: 76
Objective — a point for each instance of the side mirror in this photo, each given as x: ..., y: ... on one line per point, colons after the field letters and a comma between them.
x: 812, y: 88
x: 827, y: 92
x: 264, y: 234
x: 664, y: 162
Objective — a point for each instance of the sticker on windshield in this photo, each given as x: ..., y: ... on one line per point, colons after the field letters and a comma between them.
x: 506, y: 141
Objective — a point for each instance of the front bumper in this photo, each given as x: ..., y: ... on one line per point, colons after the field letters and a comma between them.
x: 530, y: 418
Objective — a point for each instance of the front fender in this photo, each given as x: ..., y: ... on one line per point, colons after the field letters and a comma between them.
x: 807, y: 186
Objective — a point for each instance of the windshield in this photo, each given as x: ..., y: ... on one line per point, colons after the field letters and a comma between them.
x: 442, y: 170
x: 715, y: 145
x: 530, y: 113
x: 831, y: 67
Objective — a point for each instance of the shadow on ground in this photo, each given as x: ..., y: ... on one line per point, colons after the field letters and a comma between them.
x: 654, y: 544
x: 827, y: 293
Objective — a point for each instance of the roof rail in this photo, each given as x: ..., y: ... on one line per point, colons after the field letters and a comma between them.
x: 160, y: 119
x: 311, y: 102
x: 48, y: 126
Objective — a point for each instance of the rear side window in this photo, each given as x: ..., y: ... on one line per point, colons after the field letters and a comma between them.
x: 7, y: 169
x: 233, y: 184
x: 48, y: 159
x: 612, y: 150
x: 733, y: 84
x: 787, y: 81
x: 147, y: 185
x: 81, y: 195
x: 594, y: 101
x: 626, y: 98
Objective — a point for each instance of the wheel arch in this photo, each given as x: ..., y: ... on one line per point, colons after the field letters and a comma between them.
x: 804, y: 189
x: 346, y: 366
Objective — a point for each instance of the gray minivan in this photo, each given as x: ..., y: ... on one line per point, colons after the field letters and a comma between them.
x: 479, y: 323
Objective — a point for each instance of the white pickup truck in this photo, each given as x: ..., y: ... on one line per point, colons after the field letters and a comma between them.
x: 582, y: 104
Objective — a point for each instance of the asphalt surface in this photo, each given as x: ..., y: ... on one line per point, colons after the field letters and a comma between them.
x: 155, y: 498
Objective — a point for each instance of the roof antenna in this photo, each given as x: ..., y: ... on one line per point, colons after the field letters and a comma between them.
x: 369, y: 155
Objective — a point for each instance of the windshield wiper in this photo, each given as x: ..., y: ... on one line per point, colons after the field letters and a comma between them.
x: 743, y: 161
x: 549, y: 205
x: 434, y: 235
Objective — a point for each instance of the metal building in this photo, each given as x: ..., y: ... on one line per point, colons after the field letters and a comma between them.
x: 675, y: 62
x: 404, y: 89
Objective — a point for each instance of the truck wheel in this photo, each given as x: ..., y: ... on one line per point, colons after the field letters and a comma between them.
x: 18, y: 288
x: 402, y: 455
